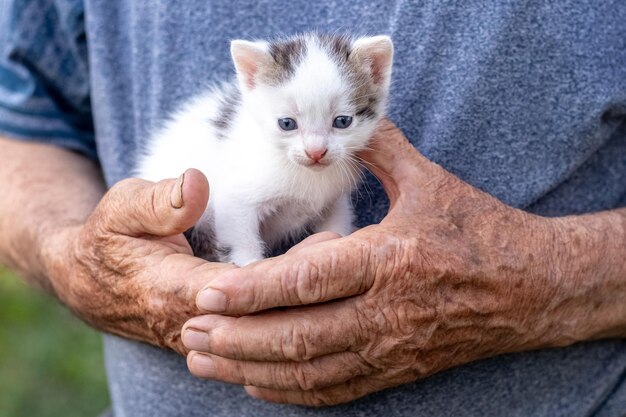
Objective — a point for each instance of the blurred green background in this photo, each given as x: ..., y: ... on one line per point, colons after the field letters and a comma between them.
x: 50, y: 363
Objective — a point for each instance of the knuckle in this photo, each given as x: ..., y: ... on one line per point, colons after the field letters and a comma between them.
x: 404, y: 255
x: 150, y: 206
x: 295, y: 345
x: 317, y: 398
x: 239, y: 374
x: 133, y: 200
x: 119, y: 191
x: 367, y: 364
x: 365, y: 267
x: 114, y: 205
x: 365, y: 328
x: 306, y: 283
x: 291, y: 376
x: 411, y: 245
x: 351, y: 390
x: 222, y: 344
x: 304, y: 379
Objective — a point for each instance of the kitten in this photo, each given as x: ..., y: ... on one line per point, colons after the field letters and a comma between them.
x: 278, y: 144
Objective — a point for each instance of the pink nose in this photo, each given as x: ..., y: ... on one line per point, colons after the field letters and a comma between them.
x: 316, y: 154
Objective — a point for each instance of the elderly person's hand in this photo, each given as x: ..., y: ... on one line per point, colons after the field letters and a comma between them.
x: 451, y: 275
x: 128, y: 269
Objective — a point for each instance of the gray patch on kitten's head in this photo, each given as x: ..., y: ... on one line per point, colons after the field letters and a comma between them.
x: 227, y: 107
x: 286, y: 55
x: 339, y: 47
x: 364, y: 94
x: 365, y: 105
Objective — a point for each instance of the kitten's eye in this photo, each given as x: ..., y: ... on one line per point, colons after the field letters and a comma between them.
x: 342, y: 122
x: 287, y: 123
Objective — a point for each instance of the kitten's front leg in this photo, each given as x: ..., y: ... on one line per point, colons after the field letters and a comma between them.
x: 339, y: 219
x: 237, y: 233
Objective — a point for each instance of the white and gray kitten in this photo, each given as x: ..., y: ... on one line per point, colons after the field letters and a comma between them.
x: 278, y: 145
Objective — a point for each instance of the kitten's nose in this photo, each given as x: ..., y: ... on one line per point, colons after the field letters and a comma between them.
x: 316, y: 154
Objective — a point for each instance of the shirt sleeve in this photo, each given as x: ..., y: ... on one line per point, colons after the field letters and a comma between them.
x: 44, y: 74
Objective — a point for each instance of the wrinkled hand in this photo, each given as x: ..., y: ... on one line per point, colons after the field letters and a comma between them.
x: 131, y: 271
x: 451, y: 275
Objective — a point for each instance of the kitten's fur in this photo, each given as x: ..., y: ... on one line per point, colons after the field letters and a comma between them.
x: 264, y: 187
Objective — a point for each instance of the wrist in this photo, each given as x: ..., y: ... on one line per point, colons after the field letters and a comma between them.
x: 81, y: 278
x: 588, y: 278
x: 58, y: 257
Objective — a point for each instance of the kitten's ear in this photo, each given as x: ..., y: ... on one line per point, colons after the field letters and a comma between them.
x: 376, y: 53
x: 248, y: 57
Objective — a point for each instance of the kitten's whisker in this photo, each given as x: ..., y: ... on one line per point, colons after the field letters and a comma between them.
x: 358, y: 171
x: 344, y: 176
x: 354, y: 171
x: 358, y: 148
x: 355, y: 187
x: 366, y: 164
x: 369, y: 165
x: 362, y: 177
x: 349, y: 178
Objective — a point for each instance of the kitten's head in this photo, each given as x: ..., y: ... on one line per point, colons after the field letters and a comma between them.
x: 320, y: 96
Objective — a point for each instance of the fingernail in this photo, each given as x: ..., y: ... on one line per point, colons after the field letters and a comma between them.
x: 176, y: 197
x: 212, y: 300
x: 195, y: 339
x: 203, y: 365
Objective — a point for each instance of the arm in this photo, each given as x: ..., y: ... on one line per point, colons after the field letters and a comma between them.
x: 451, y: 275
x: 590, y: 253
x: 50, y: 189
x: 118, y: 260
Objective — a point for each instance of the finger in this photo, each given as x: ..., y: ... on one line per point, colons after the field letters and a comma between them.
x: 168, y: 289
x: 338, y: 394
x: 318, y: 373
x: 180, y: 274
x: 292, y: 335
x: 136, y: 207
x: 314, y: 239
x: 329, y: 270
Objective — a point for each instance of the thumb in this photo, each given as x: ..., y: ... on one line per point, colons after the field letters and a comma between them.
x: 136, y: 207
x: 396, y: 163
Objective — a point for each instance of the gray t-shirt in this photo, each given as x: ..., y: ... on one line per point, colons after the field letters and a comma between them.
x: 524, y: 99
